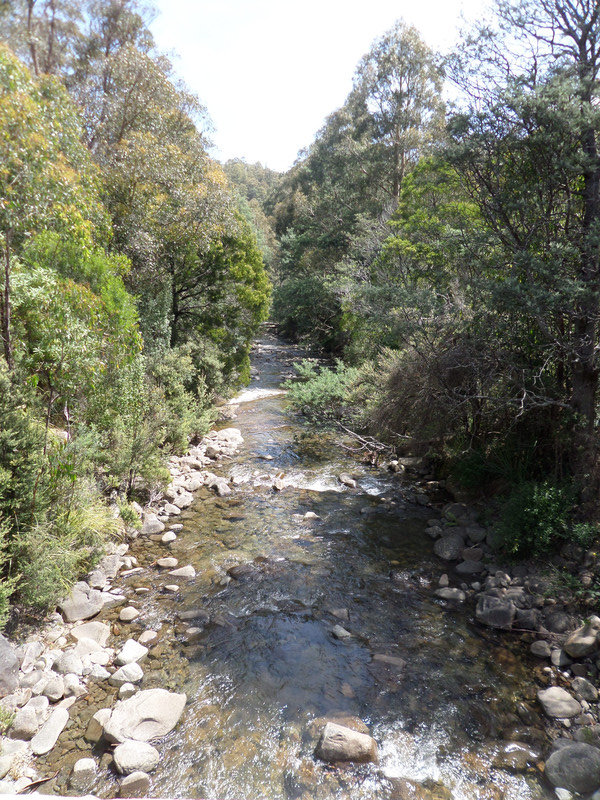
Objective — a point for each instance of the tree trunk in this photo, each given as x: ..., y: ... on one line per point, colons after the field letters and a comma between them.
x: 5, y: 320
x: 30, y: 38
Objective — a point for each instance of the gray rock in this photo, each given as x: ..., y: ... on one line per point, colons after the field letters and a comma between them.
x: 47, y: 736
x: 148, y: 637
x: 96, y: 631
x: 128, y: 614
x: 83, y: 775
x: 172, y: 510
x: 541, y: 649
x: 590, y: 735
x: 469, y: 567
x: 25, y: 724
x: 168, y: 537
x: 135, y: 785
x: 585, y: 689
x: 9, y: 667
x: 151, y: 524
x: 583, y: 641
x: 167, y: 563
x: 95, y: 728
x: 451, y: 593
x: 146, y: 716
x: 68, y: 662
x: 97, y: 579
x: 54, y: 689
x: 558, y: 703
x: 495, y: 612
x: 559, y: 658
x: 449, y: 547
x: 126, y: 690
x: 6, y: 763
x: 347, y: 480
x: 338, y: 743
x: 184, y: 499
x: 130, y: 652
x: 28, y: 654
x: 184, y: 572
x: 575, y: 767
x: 83, y: 603
x: 133, y: 756
x: 129, y: 673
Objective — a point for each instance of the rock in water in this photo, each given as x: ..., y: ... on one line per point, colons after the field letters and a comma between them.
x: 135, y: 785
x: 151, y: 525
x: 9, y: 667
x: 575, y: 767
x: 146, y: 716
x: 558, y: 703
x: 83, y: 603
x: 83, y: 775
x: 338, y: 743
x: 132, y: 756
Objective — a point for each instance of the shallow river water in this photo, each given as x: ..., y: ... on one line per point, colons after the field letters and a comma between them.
x: 268, y: 663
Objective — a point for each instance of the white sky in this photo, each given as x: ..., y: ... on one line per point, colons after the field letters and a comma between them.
x: 270, y: 71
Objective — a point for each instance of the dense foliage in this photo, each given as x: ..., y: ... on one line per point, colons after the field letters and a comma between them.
x: 456, y: 262
x: 132, y: 283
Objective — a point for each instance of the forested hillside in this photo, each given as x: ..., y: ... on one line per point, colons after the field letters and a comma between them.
x: 132, y: 282
x: 450, y: 258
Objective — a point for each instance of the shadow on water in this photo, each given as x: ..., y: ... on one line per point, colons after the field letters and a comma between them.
x: 275, y: 585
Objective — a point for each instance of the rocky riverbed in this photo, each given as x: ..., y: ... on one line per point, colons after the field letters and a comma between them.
x: 296, y: 625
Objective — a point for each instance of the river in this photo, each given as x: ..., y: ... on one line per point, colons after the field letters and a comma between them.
x: 268, y: 662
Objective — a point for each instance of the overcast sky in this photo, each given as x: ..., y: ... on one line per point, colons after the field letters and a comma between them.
x: 270, y: 71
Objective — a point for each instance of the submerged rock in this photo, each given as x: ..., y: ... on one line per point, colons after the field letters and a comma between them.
x: 338, y: 743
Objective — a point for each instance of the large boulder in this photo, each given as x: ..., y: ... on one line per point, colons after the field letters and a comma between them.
x: 83, y: 603
x: 146, y: 716
x: 132, y: 756
x: 9, y: 667
x: 495, y: 612
x: 338, y: 743
x: 449, y: 547
x: 558, y: 703
x: 583, y: 642
x: 575, y: 767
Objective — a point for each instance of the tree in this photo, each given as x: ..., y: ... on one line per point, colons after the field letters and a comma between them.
x: 526, y: 150
x: 46, y: 176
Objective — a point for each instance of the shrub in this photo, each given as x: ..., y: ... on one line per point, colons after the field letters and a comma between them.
x: 322, y: 393
x: 536, y: 517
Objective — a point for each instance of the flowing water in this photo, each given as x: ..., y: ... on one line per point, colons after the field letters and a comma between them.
x: 268, y: 663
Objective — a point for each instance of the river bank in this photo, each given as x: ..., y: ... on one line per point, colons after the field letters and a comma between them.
x: 314, y: 589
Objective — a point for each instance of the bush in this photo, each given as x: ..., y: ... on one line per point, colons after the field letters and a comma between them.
x: 322, y: 393
x: 537, y: 517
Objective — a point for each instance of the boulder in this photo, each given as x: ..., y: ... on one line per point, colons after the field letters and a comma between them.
x: 96, y: 631
x: 151, y: 524
x: 338, y: 743
x: 133, y: 756
x: 83, y: 603
x: 146, y: 716
x: 135, y: 785
x: 130, y: 652
x: 184, y: 499
x: 558, y: 703
x: 495, y: 612
x: 449, y: 547
x: 129, y: 673
x: 583, y: 642
x: 9, y: 667
x: 575, y: 767
x: 541, y: 649
x: 47, y: 736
